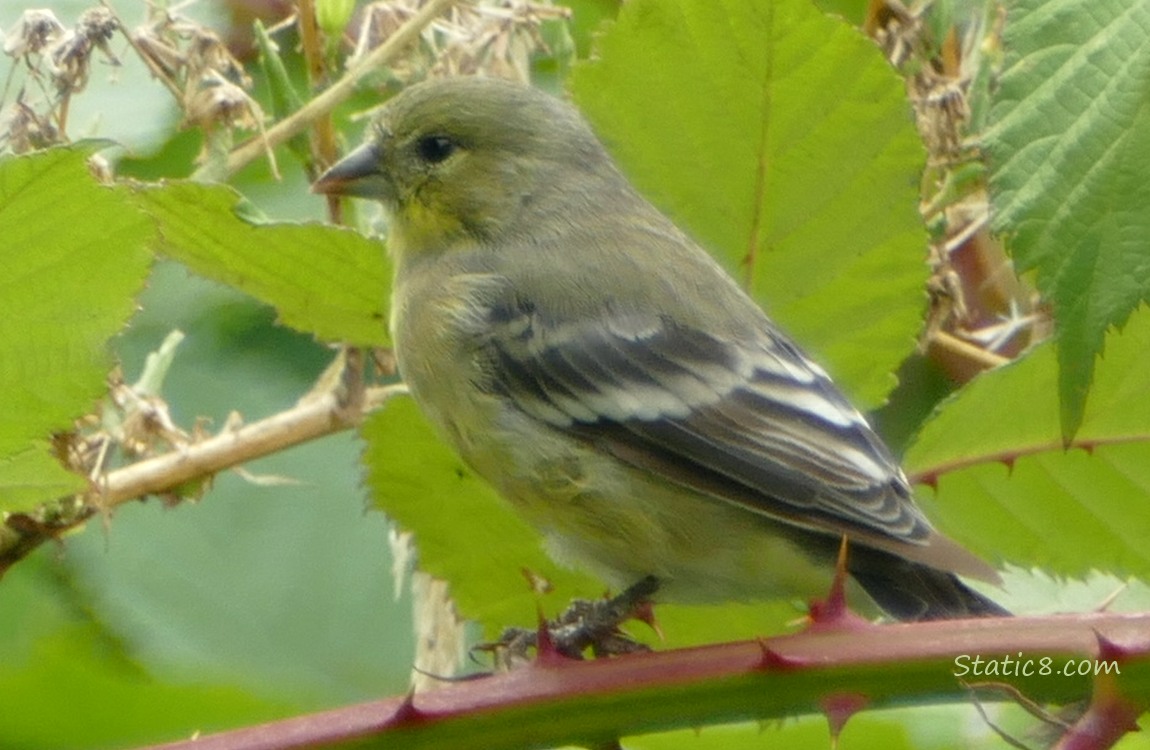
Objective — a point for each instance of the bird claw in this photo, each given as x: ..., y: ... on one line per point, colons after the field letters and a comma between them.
x: 585, y: 624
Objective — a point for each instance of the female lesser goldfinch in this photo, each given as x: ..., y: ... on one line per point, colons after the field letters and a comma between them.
x: 612, y: 382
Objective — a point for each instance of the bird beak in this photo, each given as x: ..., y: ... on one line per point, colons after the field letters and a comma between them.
x: 358, y: 174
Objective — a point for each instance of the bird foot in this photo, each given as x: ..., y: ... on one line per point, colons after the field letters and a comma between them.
x: 585, y: 625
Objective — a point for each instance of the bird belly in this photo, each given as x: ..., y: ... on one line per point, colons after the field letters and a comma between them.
x: 623, y: 523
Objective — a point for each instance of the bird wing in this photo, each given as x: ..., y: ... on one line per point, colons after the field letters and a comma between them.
x: 752, y: 422
x: 756, y: 413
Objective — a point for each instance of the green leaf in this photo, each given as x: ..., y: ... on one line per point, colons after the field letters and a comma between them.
x: 74, y: 257
x: 1068, y: 141
x: 783, y: 141
x: 1006, y: 486
x: 852, y: 10
x: 285, y: 99
x: 331, y: 282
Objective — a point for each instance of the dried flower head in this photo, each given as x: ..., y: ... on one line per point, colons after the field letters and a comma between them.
x: 199, y: 69
x: 495, y: 37
x: 23, y: 129
x: 214, y: 100
x: 35, y: 30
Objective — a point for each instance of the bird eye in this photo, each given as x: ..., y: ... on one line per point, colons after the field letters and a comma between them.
x: 435, y: 148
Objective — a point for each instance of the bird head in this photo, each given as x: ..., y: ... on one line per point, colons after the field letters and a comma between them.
x: 468, y: 158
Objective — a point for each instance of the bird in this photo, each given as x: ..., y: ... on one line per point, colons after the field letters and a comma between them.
x: 613, y: 382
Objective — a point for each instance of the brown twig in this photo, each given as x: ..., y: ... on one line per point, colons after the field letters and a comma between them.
x: 323, y: 146
x: 308, y: 420
x: 313, y: 417
x: 329, y: 99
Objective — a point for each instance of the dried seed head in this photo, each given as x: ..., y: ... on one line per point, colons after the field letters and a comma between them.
x: 218, y: 101
x: 24, y: 130
x: 497, y: 38
x: 35, y: 30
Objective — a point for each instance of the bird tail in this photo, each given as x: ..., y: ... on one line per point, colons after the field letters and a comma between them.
x: 910, y: 591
